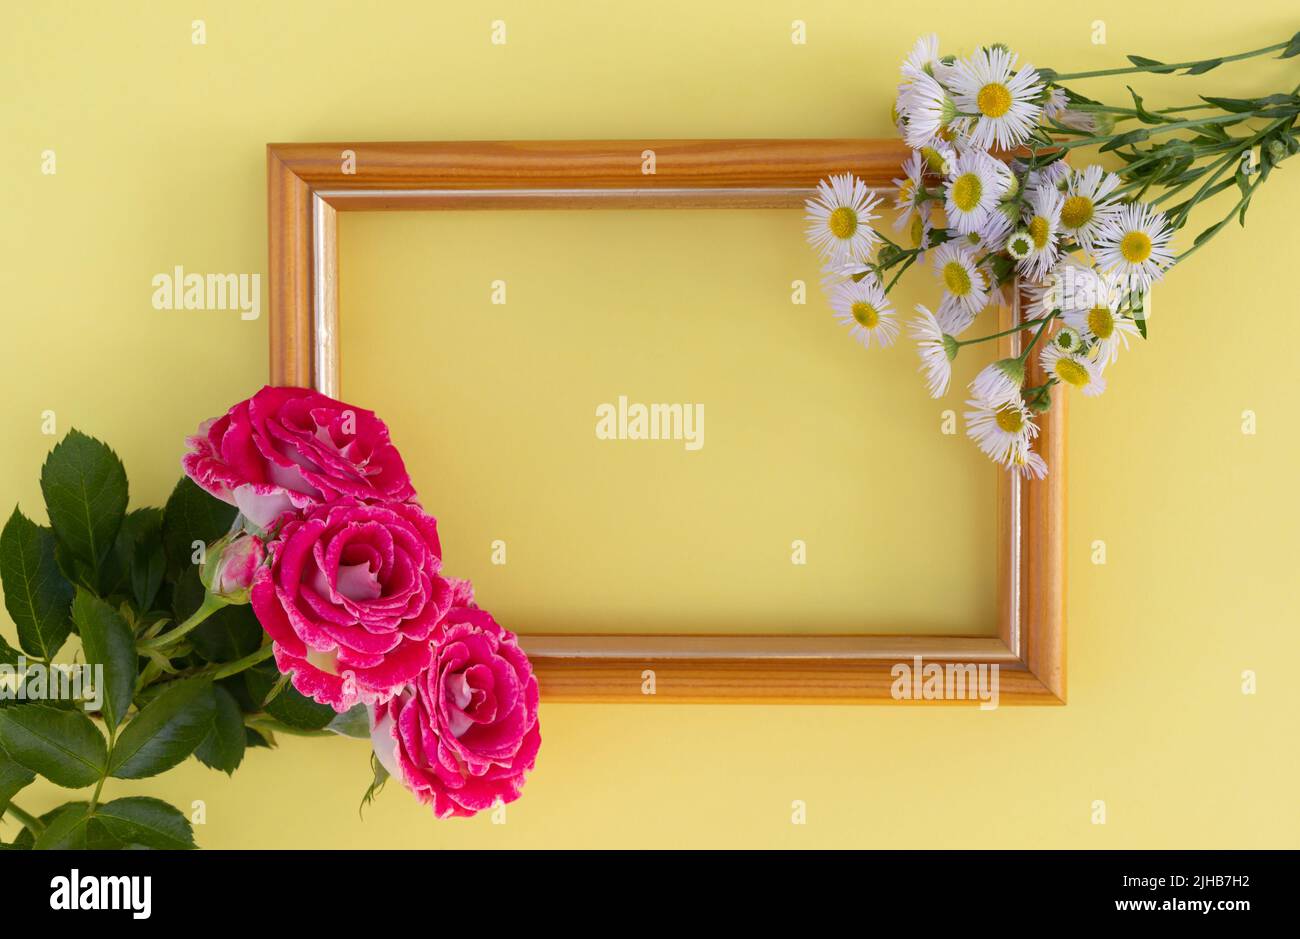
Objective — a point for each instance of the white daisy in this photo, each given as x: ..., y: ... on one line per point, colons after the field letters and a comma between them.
x: 999, y: 383
x: 1071, y: 286
x: 910, y: 200
x: 973, y: 190
x: 840, y: 219
x: 954, y: 316
x: 1103, y: 325
x: 1003, y: 432
x: 1055, y: 103
x: 1134, y: 246
x: 864, y: 308
x: 962, y: 279
x: 1087, y: 208
x: 1020, y: 245
x: 924, y: 57
x: 1042, y: 222
x: 937, y: 350
x: 835, y: 274
x: 1074, y: 369
x: 929, y: 110
x: 939, y: 158
x: 1051, y: 175
x: 1003, y: 100
x: 1068, y: 340
x: 992, y: 235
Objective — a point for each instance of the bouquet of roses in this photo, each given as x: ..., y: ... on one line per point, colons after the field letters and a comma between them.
x: 988, y: 197
x: 292, y: 584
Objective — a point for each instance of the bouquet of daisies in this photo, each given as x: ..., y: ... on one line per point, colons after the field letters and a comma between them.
x: 990, y: 200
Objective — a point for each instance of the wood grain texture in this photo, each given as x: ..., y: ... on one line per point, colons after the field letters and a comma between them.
x: 307, y: 186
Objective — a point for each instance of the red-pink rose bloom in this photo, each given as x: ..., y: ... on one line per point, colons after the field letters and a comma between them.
x: 465, y: 732
x: 293, y: 448
x: 351, y: 598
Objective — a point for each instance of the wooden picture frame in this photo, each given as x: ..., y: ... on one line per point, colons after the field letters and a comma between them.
x: 309, y: 184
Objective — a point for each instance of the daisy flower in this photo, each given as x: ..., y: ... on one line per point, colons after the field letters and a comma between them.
x: 953, y: 316
x: 1003, y: 100
x: 939, y: 158
x: 864, y: 308
x: 1072, y: 286
x: 1087, y: 209
x: 1134, y: 246
x: 999, y: 383
x: 910, y: 200
x: 1104, y: 325
x: 924, y: 57
x: 1043, y: 220
x: 1020, y: 245
x: 1053, y: 175
x: 1074, y: 369
x: 937, y: 350
x: 992, y: 235
x: 1068, y: 340
x: 962, y: 279
x: 1055, y: 103
x: 1003, y: 433
x: 835, y: 274
x: 928, y: 109
x: 973, y: 190
x: 840, y: 219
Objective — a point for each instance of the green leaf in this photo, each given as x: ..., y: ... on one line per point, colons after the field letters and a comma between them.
x: 223, y: 747
x: 1145, y: 116
x: 13, y: 777
x: 1151, y: 65
x: 289, y: 707
x: 107, y: 642
x: 192, y: 515
x: 138, y: 556
x: 1200, y: 68
x: 165, y: 732
x: 228, y: 634
x: 352, y: 723
x: 145, y: 821
x: 62, y: 745
x: 1123, y: 140
x: 85, y: 494
x: 37, y: 595
x: 1292, y: 48
x: 8, y: 654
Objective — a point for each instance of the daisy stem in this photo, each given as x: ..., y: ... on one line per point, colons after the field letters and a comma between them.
x: 1038, y: 335
x: 1164, y: 67
x: 1032, y: 324
x: 1233, y: 118
x: 899, y: 273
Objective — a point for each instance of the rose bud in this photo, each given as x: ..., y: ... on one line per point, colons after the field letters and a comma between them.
x: 229, y: 567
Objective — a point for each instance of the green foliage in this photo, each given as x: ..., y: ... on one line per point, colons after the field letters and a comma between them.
x: 124, y: 582
x: 37, y: 594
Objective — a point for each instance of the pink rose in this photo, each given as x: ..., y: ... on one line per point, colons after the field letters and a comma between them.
x: 235, y: 566
x: 465, y: 733
x: 289, y: 448
x: 351, y: 597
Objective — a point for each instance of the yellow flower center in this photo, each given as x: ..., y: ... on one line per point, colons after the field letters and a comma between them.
x: 1101, y: 321
x: 1039, y: 230
x: 916, y: 230
x: 1072, y: 373
x: 865, y: 314
x: 1076, y: 212
x: 1135, y: 247
x: 956, y: 278
x: 994, y: 99
x: 1010, y: 418
x: 966, y: 191
x: 906, y: 192
x: 843, y: 222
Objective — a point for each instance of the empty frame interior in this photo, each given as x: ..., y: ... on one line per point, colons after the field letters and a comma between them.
x: 819, y: 493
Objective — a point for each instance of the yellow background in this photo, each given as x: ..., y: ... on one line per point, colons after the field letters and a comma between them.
x: 160, y: 162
